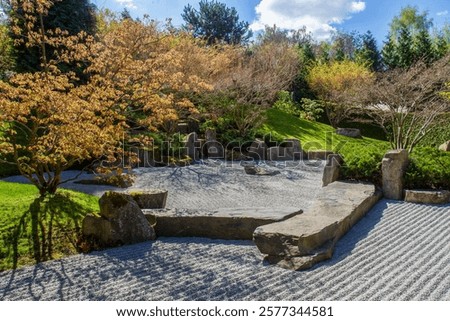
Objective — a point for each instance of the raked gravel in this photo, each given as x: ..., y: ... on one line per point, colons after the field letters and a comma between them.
x: 399, y: 251
x: 216, y: 184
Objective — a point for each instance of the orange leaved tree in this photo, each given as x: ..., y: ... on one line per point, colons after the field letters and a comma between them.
x: 51, y: 120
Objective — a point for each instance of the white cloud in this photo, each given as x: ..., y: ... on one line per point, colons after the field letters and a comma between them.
x: 317, y: 15
x: 127, y: 4
x: 443, y: 13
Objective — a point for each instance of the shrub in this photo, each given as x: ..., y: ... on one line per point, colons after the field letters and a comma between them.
x: 428, y: 168
x: 362, y: 162
x: 311, y: 110
x: 286, y: 103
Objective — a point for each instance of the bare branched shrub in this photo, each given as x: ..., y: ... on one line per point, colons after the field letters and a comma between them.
x: 252, y: 81
x: 407, y: 103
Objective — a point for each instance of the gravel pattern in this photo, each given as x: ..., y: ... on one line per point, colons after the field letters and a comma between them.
x: 216, y: 184
x: 399, y: 251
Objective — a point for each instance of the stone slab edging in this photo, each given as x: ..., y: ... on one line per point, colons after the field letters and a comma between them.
x: 227, y: 224
x: 304, y: 240
x: 432, y: 197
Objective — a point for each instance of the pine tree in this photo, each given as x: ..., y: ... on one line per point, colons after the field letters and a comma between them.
x: 390, y: 58
x: 423, y: 47
x: 441, y: 47
x: 405, y: 48
x: 368, y: 52
x: 215, y: 22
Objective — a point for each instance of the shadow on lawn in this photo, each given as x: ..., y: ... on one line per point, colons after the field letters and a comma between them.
x: 48, y: 219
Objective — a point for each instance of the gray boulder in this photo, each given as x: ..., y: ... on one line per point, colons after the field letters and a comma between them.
x: 255, y: 170
x: 393, y: 168
x: 150, y: 198
x: 445, y: 146
x: 349, y: 132
x: 427, y: 197
x: 121, y: 221
x: 304, y: 240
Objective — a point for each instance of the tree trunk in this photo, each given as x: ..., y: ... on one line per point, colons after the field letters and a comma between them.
x: 35, y: 208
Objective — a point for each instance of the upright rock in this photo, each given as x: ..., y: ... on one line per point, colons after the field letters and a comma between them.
x: 258, y: 150
x: 332, y: 169
x: 293, y: 148
x: 212, y: 148
x: 393, y: 168
x: 121, y: 221
x: 193, y: 146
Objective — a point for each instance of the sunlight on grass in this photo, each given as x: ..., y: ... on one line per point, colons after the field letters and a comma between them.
x: 313, y: 135
x: 69, y: 208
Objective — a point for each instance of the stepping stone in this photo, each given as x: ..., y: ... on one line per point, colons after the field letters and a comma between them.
x: 301, y: 241
x: 227, y: 224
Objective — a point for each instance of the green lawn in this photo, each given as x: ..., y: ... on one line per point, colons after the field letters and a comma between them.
x: 68, y: 208
x: 313, y: 135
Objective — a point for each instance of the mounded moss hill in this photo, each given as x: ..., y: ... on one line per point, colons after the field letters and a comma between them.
x: 68, y: 207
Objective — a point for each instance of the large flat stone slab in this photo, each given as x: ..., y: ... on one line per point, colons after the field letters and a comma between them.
x: 303, y: 240
x: 228, y: 224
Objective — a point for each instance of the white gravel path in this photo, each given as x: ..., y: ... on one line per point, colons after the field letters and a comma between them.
x: 399, y: 251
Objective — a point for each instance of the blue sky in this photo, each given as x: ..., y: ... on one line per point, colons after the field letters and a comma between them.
x: 321, y: 17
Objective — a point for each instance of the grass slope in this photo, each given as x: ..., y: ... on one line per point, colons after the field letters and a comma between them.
x: 362, y: 156
x: 68, y: 207
x: 313, y: 135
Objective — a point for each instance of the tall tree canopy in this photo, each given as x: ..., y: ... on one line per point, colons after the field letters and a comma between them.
x: 215, y: 22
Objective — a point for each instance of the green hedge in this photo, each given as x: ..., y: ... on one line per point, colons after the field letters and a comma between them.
x: 362, y: 162
x: 429, y: 168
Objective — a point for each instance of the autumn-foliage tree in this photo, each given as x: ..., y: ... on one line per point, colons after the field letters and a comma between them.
x: 72, y: 16
x: 50, y: 123
x: 335, y: 84
x: 49, y: 120
x: 6, y: 51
